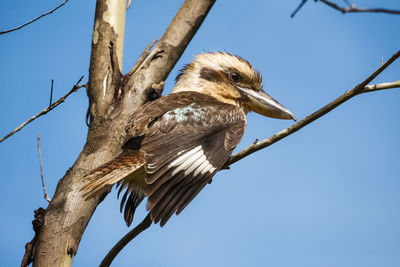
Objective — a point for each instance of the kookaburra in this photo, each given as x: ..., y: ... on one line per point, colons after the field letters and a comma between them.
x: 176, y: 144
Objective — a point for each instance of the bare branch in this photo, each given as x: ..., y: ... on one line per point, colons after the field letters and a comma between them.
x: 359, y: 89
x: 46, y: 110
x: 351, y: 8
x: 46, y: 196
x: 128, y: 4
x: 354, y: 9
x: 51, y: 92
x: 35, y: 19
x: 380, y: 86
x: 108, y: 259
x: 298, y: 8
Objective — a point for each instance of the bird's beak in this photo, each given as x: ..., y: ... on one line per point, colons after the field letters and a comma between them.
x: 263, y: 104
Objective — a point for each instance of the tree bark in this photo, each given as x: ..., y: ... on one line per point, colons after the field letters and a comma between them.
x: 112, y: 100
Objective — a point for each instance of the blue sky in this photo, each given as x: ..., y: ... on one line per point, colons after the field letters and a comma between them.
x: 325, y: 196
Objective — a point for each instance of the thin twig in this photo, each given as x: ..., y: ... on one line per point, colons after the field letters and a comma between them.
x: 125, y: 240
x: 354, y: 9
x: 46, y: 196
x: 35, y: 19
x: 298, y: 8
x: 347, y: 2
x: 44, y: 111
x: 51, y: 92
x: 142, y: 57
x: 359, y: 89
x: 128, y: 4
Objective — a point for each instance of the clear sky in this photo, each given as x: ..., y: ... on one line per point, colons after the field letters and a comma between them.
x: 328, y: 195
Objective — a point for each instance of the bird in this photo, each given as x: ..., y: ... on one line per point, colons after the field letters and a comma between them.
x: 175, y: 144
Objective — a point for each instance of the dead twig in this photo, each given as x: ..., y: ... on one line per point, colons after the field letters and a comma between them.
x: 46, y: 196
x: 353, y: 9
x: 51, y: 92
x: 359, y: 89
x: 302, y: 3
x: 142, y: 57
x: 44, y: 111
x: 125, y: 240
x: 128, y: 4
x: 35, y: 19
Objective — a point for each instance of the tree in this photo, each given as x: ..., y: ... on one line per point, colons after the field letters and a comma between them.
x: 107, y: 146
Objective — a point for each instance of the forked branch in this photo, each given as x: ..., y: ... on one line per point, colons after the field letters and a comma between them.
x: 351, y: 8
x: 354, y: 9
x: 44, y: 111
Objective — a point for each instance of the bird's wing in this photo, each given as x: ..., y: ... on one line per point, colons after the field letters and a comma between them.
x: 150, y: 112
x: 184, y: 148
x: 112, y: 172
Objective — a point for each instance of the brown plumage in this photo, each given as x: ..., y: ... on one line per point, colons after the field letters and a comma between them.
x: 176, y: 144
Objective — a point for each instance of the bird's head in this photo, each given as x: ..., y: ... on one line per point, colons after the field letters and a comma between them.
x: 229, y: 79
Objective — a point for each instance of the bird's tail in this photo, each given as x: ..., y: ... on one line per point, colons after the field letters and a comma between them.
x: 112, y: 172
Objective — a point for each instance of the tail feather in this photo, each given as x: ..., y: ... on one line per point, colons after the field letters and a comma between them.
x: 134, y: 193
x: 112, y: 172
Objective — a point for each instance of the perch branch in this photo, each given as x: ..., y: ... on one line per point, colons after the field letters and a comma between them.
x: 108, y: 259
x: 46, y: 110
x: 35, y: 19
x: 46, y: 196
x: 359, y: 89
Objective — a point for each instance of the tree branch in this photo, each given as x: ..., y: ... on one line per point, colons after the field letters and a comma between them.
x: 35, y: 19
x: 108, y: 259
x: 46, y: 110
x: 108, y: 30
x: 380, y: 86
x: 350, y: 9
x: 354, y: 9
x: 359, y: 89
x: 46, y: 196
x: 142, y: 58
x: 68, y: 213
x: 302, y: 3
x: 169, y: 48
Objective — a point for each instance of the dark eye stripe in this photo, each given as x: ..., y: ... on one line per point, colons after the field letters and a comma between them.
x: 211, y: 75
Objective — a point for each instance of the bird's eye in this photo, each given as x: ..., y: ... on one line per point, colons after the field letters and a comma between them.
x: 235, y: 77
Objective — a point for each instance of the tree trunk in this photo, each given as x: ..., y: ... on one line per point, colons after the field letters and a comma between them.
x: 112, y: 100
